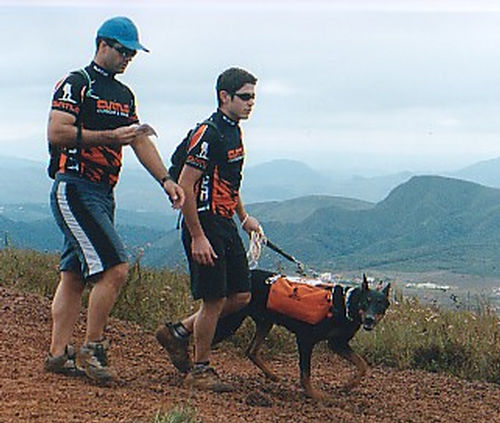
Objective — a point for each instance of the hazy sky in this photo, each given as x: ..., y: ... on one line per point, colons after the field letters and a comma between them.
x: 384, y: 85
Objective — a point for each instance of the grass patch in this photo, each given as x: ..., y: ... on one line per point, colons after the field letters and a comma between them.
x: 184, y: 414
x: 412, y: 335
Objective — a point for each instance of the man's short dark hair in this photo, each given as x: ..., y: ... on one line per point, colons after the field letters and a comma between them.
x: 98, y: 41
x: 232, y: 79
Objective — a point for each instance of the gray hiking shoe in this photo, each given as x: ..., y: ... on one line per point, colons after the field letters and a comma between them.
x: 177, y: 349
x: 92, y: 358
x: 206, y: 378
x: 63, y: 364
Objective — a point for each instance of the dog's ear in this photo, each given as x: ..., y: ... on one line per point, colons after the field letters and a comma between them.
x: 364, y: 285
x: 386, y: 289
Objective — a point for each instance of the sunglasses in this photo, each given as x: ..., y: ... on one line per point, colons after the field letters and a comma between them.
x: 124, y: 51
x: 245, y: 96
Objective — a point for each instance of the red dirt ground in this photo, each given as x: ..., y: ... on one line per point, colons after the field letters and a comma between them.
x: 149, y: 383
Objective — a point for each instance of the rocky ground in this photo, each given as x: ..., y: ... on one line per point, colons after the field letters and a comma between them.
x: 148, y: 383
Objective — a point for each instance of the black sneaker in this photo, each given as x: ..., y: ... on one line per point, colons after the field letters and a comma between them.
x: 177, y: 349
x: 63, y: 364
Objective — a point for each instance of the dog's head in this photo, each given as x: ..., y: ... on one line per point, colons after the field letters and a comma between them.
x: 371, y: 304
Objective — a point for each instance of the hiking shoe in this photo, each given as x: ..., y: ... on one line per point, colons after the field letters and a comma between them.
x: 93, y: 360
x: 206, y: 378
x: 177, y: 349
x: 63, y: 364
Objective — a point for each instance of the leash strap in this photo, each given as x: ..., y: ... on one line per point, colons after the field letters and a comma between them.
x: 274, y: 247
x: 257, y: 241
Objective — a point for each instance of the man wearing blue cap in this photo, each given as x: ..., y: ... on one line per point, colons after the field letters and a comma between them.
x: 93, y: 117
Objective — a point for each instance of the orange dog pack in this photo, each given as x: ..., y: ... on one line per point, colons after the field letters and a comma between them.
x: 307, y: 300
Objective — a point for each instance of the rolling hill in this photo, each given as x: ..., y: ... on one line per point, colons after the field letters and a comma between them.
x: 430, y: 222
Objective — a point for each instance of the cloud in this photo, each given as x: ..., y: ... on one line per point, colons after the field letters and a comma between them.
x: 337, y: 5
x: 274, y: 87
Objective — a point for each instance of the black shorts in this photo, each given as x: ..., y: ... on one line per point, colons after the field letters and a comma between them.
x: 230, y: 273
x: 84, y: 211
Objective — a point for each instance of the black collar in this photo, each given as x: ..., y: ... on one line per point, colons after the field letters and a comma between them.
x: 226, y: 119
x: 101, y: 71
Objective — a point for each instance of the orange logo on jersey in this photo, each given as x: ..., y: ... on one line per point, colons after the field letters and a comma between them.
x: 112, y: 107
x: 62, y: 105
x: 235, y: 154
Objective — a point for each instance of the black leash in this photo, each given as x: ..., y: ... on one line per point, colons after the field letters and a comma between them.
x: 274, y: 247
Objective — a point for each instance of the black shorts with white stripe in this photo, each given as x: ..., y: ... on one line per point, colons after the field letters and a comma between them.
x: 84, y: 211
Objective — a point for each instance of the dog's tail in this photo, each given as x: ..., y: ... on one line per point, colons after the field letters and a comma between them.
x: 229, y: 324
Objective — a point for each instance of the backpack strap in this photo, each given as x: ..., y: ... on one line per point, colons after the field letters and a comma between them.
x: 86, y: 75
x: 212, y: 125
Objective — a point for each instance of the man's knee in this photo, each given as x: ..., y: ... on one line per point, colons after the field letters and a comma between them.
x: 117, y: 274
x: 213, y: 305
x: 72, y: 282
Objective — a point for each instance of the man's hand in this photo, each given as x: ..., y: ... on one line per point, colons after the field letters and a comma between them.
x: 124, y: 135
x: 175, y: 193
x: 251, y: 224
x: 202, y: 251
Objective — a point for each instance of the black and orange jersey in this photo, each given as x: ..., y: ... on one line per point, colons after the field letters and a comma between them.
x: 220, y: 156
x: 99, y: 102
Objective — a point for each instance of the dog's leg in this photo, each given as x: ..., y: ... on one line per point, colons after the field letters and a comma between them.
x: 346, y: 352
x: 305, y: 351
x: 261, y: 331
x: 227, y: 325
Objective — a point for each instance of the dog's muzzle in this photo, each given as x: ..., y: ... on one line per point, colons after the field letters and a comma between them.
x: 368, y: 323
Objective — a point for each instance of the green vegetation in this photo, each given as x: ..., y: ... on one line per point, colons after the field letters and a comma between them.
x: 177, y: 415
x: 463, y: 343
x: 148, y: 297
x: 412, y: 335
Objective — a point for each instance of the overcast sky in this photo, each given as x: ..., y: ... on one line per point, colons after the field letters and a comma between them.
x: 376, y: 85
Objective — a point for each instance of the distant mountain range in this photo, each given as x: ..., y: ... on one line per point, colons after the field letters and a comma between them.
x: 424, y: 223
x: 25, y: 181
x: 486, y: 172
x: 427, y: 223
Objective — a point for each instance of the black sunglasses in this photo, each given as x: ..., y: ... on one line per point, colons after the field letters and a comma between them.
x: 124, y: 51
x: 245, y: 96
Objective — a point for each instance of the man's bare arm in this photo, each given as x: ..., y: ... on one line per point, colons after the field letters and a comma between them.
x: 62, y: 132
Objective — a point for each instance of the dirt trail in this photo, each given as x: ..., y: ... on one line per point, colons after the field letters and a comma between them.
x: 149, y: 383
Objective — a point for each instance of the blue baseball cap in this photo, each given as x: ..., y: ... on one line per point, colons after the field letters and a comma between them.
x: 123, y: 30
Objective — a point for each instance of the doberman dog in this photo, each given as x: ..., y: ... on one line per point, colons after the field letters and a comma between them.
x: 363, y: 307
